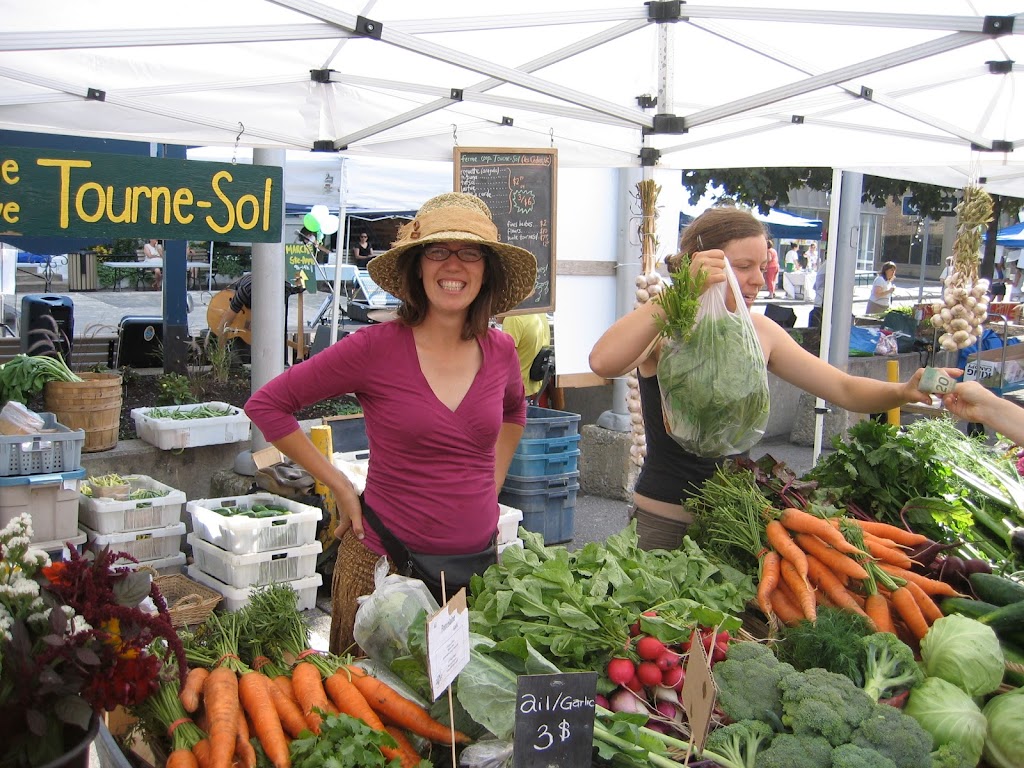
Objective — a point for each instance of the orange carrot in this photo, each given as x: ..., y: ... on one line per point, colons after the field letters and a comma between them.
x: 189, y: 693
x: 800, y: 588
x: 798, y: 521
x: 407, y: 714
x: 350, y: 701
x: 284, y: 683
x: 201, y: 749
x: 887, y: 553
x: 905, y: 604
x: 820, y: 598
x: 182, y: 758
x: 309, y: 690
x: 877, y: 608
x: 826, y: 580
x: 891, y: 532
x: 220, y: 699
x: 789, y: 612
x: 404, y: 745
x: 929, y: 609
x: 783, y: 543
x: 930, y: 586
x: 253, y: 691
x: 291, y: 717
x: 769, y: 580
x: 245, y: 754
x: 828, y: 556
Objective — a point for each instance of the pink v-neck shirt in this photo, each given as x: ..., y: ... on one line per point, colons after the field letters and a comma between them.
x: 431, y: 471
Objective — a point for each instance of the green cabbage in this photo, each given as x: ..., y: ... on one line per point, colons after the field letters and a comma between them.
x: 963, y: 652
x: 1004, y: 745
x: 949, y: 715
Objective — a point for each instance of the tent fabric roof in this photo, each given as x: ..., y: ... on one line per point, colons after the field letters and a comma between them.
x: 739, y: 83
x: 781, y: 224
x: 1011, y: 237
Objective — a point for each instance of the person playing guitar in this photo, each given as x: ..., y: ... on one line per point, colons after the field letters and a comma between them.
x: 229, y: 314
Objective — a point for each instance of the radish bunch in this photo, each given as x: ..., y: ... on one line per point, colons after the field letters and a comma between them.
x: 648, y: 286
x: 649, y: 679
x: 964, y: 307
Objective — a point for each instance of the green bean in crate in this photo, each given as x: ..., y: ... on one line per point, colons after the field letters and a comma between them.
x: 204, y: 411
x: 191, y: 426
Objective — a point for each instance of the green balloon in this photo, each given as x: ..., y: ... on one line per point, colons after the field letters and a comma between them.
x: 309, y: 222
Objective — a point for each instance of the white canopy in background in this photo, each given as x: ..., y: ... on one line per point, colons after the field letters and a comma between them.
x: 896, y: 88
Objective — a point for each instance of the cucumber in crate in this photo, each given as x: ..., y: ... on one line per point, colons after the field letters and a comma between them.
x: 232, y: 523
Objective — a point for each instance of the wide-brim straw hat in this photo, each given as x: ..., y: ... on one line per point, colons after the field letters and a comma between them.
x: 458, y: 217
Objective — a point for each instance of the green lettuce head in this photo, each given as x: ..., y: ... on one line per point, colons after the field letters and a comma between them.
x: 1004, y: 745
x: 963, y: 652
x: 949, y: 715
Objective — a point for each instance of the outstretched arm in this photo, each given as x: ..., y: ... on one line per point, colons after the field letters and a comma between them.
x: 972, y: 402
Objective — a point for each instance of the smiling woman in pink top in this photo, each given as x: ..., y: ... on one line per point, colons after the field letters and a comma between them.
x: 441, y: 394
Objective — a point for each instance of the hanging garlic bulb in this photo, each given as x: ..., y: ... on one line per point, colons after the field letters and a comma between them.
x: 963, y: 310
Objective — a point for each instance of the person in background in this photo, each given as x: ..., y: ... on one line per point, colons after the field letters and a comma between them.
x: 814, y: 321
x: 811, y: 256
x: 793, y: 258
x: 151, y: 251
x: 669, y: 474
x: 881, y: 290
x: 362, y: 252
x: 441, y: 393
x: 976, y: 404
x: 771, y: 272
x: 531, y: 333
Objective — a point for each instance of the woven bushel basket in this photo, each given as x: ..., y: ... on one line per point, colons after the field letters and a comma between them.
x: 188, y: 602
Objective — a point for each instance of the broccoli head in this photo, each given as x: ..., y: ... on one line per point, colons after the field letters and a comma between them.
x: 897, y: 736
x: 951, y: 755
x: 817, y: 702
x: 789, y: 751
x: 739, y: 742
x: 852, y: 756
x: 889, y: 666
x: 748, y: 683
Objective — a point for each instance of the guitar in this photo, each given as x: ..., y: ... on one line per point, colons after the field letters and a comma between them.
x: 241, y: 326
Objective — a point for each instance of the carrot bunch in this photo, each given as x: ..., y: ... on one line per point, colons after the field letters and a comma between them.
x: 860, y: 566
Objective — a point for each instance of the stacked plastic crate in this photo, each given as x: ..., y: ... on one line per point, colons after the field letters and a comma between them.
x: 144, y: 522
x: 234, y: 553
x: 543, y: 479
x: 40, y: 474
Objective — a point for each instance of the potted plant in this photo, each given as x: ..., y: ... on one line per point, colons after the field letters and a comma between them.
x: 75, y: 641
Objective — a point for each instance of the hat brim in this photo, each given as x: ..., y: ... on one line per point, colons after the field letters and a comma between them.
x: 519, y: 264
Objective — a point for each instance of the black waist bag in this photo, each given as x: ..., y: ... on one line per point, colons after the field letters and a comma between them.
x: 458, y: 569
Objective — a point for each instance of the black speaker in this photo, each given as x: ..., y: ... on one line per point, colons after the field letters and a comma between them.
x: 47, y: 318
x: 139, y: 342
x: 784, y: 316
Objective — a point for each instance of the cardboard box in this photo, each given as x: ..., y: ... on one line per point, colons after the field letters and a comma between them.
x: 987, y: 367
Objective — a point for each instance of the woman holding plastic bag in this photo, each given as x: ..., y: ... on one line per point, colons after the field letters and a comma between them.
x: 678, y: 436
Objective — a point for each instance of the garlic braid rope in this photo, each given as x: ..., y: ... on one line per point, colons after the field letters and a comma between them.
x: 647, y: 287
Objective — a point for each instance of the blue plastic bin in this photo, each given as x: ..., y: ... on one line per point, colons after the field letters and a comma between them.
x: 544, y: 464
x: 545, y: 423
x: 549, y: 512
x: 57, y: 450
x: 551, y: 482
x: 548, y: 445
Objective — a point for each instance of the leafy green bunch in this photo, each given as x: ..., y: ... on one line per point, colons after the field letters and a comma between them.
x: 24, y: 376
x: 680, y: 300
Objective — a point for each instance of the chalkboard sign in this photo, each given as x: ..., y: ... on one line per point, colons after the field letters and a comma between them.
x: 554, y: 720
x: 348, y: 433
x: 519, y: 186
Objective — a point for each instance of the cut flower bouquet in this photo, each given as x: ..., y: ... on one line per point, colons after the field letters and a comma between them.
x: 77, y: 637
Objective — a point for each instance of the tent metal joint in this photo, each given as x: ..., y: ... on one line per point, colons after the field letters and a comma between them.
x: 325, y: 145
x: 998, y: 25
x: 1004, y: 67
x: 456, y: 94
x: 646, y: 101
x: 368, y: 27
x: 320, y: 75
x: 796, y: 119
x: 667, y: 124
x: 998, y: 145
x: 867, y: 93
x: 649, y: 156
x: 665, y: 11
x: 95, y: 94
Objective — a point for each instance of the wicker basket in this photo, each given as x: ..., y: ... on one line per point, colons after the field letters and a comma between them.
x: 188, y: 602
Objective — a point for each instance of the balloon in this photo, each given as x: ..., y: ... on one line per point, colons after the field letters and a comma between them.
x: 330, y: 225
x: 309, y: 222
x: 321, y: 213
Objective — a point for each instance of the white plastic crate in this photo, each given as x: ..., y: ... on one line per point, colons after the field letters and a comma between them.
x: 50, y: 500
x: 111, y: 516
x: 147, y: 544
x: 246, y: 535
x: 172, y: 434
x: 508, y: 523
x: 257, y: 569
x: 58, y: 548
x: 236, y: 599
x: 57, y: 449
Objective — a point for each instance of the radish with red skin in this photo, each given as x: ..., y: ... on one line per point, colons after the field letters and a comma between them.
x: 672, y: 677
x: 721, y: 648
x: 668, y: 659
x: 649, y: 674
x: 621, y: 671
x: 634, y: 628
x: 623, y: 700
x: 634, y: 684
x: 602, y: 701
x: 649, y: 648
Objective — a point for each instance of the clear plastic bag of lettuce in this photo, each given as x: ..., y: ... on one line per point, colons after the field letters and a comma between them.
x: 712, y: 374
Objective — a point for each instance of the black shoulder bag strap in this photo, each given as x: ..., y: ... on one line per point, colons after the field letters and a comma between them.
x: 397, y: 551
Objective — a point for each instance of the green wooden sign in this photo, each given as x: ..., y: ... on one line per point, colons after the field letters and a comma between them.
x: 54, y: 193
x: 299, y: 259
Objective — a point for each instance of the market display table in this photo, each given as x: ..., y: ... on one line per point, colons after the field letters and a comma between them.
x: 794, y: 284
x: 142, y: 266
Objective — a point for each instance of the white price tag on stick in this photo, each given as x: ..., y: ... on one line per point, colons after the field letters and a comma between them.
x: 447, y: 643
